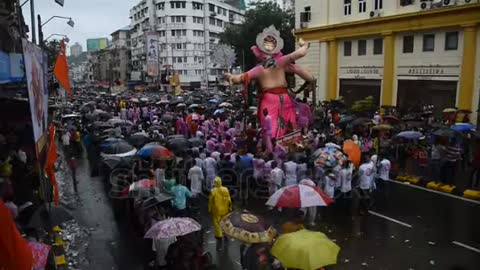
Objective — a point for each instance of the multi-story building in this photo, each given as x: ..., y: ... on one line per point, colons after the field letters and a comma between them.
x: 188, y: 31
x: 401, y: 52
x: 120, y: 55
x: 76, y: 49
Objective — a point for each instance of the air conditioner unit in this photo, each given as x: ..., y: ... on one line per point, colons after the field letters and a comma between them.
x: 426, y: 4
x: 467, y: 1
x: 303, y: 24
x: 376, y: 13
x: 447, y: 3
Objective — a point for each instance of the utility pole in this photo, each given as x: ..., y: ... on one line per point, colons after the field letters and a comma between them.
x: 205, y: 6
x: 32, y: 15
x: 40, y: 32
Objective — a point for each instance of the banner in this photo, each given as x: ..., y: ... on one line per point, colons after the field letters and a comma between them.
x: 152, y: 40
x: 35, y: 69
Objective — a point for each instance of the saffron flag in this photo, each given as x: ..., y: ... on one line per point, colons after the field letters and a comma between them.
x: 61, y: 69
x: 50, y: 163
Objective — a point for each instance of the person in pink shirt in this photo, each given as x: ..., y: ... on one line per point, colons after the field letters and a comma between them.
x: 304, y: 115
x: 228, y: 144
x: 210, y: 144
x: 258, y: 166
x: 267, y: 132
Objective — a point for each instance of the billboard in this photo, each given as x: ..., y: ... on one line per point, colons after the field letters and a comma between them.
x: 95, y: 44
x: 152, y: 39
x: 36, y: 70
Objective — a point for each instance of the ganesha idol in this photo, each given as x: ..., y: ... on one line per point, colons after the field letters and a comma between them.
x: 275, y: 102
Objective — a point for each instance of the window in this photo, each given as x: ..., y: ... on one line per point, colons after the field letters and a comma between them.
x: 211, y: 7
x: 219, y: 23
x: 179, y: 32
x: 160, y: 6
x: 198, y: 33
x: 347, y: 48
x: 428, y: 43
x: 408, y: 44
x: 347, y: 7
x: 377, y: 46
x: 378, y: 4
x: 177, y: 4
x: 212, y: 21
x: 161, y: 33
x: 224, y: 12
x: 161, y: 20
x: 198, y: 59
x: 178, y: 19
x: 197, y: 6
x: 362, y: 6
x: 451, y: 41
x: 362, y: 47
x: 198, y: 20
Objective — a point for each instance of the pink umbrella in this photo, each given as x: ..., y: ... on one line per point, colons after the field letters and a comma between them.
x: 172, y: 227
x: 298, y: 196
x: 39, y: 253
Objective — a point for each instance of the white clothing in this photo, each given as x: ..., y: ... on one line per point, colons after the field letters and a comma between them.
x: 258, y: 167
x: 302, y: 171
x: 329, y: 187
x: 267, y: 169
x: 346, y: 179
x: 22, y: 156
x: 66, y: 139
x: 211, y: 171
x: 384, y: 169
x: 195, y: 175
x: 160, y: 177
x: 290, y: 173
x: 365, y: 173
x: 200, y: 163
x: 215, y: 155
x: 336, y: 172
x: 160, y: 246
x: 276, y: 176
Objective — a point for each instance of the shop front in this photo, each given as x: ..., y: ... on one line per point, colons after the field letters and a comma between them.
x: 357, y: 83
x: 419, y: 86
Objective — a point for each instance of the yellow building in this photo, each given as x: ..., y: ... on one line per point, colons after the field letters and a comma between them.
x: 402, y: 52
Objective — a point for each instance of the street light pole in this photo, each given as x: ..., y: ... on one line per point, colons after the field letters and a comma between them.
x: 40, y: 32
x: 32, y: 16
x: 40, y: 25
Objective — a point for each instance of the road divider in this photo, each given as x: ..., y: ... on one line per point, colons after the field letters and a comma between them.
x: 390, y: 219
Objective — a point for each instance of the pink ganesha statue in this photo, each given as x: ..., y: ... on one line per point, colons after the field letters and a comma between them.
x: 275, y: 103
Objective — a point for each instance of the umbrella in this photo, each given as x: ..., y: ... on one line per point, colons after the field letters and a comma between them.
x: 391, y: 119
x: 193, y: 106
x: 463, y: 127
x: 119, y: 149
x: 410, y: 134
x: 101, y: 125
x: 219, y: 112
x: 329, y: 157
x: 162, y: 102
x: 445, y: 132
x: 178, y: 145
x: 297, y: 196
x: 68, y: 116
x: 225, y: 105
x: 353, y: 152
x: 172, y: 227
x: 113, y: 162
x: 252, y: 108
x: 167, y: 118
x: 39, y: 254
x: 361, y: 121
x: 119, y: 122
x: 449, y: 110
x: 49, y: 216
x: 102, y: 114
x: 155, y: 200
x: 196, y: 142
x: 143, y: 186
x: 138, y: 139
x: 304, y: 249
x: 144, y: 99
x: 346, y: 119
x: 382, y: 127
x: 155, y: 151
x: 181, y: 105
x: 135, y: 100
x: 247, y: 228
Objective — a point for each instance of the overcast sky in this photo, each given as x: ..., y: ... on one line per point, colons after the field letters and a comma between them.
x: 93, y: 18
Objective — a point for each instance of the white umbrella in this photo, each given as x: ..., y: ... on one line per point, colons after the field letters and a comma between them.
x: 298, y: 196
x: 225, y: 104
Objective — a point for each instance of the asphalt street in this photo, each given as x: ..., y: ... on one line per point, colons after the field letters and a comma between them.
x: 411, y: 228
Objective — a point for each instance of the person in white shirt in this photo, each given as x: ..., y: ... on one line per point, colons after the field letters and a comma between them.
x: 66, y: 142
x: 195, y: 175
x: 276, y: 177
x: 290, y: 172
x: 210, y: 171
x: 330, y: 182
x: 302, y: 169
x: 365, y: 185
x: 383, y: 176
x: 346, y: 177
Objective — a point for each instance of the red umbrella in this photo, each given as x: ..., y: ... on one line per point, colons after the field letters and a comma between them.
x: 391, y: 119
x: 160, y: 152
x: 297, y: 196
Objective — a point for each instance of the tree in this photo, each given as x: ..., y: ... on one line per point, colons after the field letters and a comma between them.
x: 52, y: 47
x: 258, y: 17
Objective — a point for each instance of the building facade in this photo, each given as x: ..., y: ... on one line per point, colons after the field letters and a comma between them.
x: 187, y: 33
x: 288, y: 5
x: 120, y: 55
x: 76, y: 49
x: 406, y: 53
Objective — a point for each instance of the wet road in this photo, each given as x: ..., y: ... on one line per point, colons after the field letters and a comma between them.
x: 411, y: 229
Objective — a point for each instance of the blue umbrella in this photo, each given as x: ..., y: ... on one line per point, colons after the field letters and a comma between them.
x: 146, y: 150
x: 463, y: 127
x: 219, y: 112
x: 410, y: 134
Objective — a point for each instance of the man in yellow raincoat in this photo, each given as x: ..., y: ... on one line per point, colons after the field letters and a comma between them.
x: 219, y: 205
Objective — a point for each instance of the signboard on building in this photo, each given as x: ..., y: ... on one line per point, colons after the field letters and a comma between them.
x: 429, y: 72
x: 152, y: 40
x: 36, y: 70
x: 361, y: 72
x: 96, y: 44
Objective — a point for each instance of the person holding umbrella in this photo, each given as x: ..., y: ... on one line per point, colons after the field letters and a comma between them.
x: 219, y: 205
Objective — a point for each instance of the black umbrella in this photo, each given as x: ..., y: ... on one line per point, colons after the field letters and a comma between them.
x: 138, y: 139
x: 178, y: 145
x: 361, y: 121
x: 117, y: 148
x: 102, y: 125
x: 157, y: 199
x: 116, y: 162
x: 347, y: 119
x: 445, y: 132
x: 196, y: 142
x: 49, y: 216
x: 166, y: 118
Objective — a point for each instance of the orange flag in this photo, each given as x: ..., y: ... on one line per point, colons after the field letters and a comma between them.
x: 61, y: 69
x: 50, y: 163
